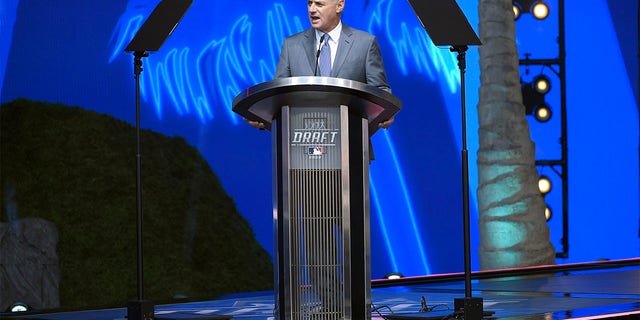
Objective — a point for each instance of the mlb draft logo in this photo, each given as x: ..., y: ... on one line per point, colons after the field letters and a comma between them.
x: 315, y: 151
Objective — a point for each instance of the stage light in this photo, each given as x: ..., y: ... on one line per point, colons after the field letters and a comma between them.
x: 537, y: 8
x: 547, y: 213
x: 533, y: 94
x: 544, y: 184
x: 531, y: 97
x: 542, y: 84
x: 542, y: 113
x: 393, y: 275
x: 516, y: 11
x: 540, y: 10
x: 19, y: 307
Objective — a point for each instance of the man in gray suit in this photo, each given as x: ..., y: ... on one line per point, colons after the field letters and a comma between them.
x: 351, y: 54
x: 355, y: 54
x: 329, y: 48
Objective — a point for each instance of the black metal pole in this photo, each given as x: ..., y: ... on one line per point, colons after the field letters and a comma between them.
x: 137, y: 69
x: 469, y: 306
x: 462, y: 65
x: 139, y: 309
x: 150, y: 37
x: 563, y: 133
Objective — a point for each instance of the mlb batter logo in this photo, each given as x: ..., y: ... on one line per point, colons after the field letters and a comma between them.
x: 315, y: 151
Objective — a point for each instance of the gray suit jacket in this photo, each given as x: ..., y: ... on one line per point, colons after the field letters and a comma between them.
x: 358, y: 57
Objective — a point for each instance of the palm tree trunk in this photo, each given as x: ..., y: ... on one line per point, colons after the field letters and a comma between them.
x: 513, y: 231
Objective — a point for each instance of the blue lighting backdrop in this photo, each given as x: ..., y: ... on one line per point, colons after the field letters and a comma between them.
x: 71, y: 52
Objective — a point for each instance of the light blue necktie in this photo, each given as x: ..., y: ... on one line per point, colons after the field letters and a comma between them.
x: 325, y: 57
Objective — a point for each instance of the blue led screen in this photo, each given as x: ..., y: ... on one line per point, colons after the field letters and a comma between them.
x: 71, y: 52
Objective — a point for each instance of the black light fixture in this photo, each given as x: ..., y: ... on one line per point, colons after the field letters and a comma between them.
x: 531, y: 97
x: 540, y: 10
x: 533, y: 94
x: 542, y: 84
x: 537, y: 8
x: 516, y: 10
x: 542, y: 113
x: 548, y: 213
x: 544, y: 184
x: 393, y: 275
x: 19, y: 307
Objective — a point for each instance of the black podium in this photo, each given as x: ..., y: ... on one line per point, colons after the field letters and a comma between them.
x: 321, y: 128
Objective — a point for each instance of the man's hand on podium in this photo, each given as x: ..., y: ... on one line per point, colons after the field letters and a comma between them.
x: 260, y: 125
x: 386, y: 124
x: 255, y: 124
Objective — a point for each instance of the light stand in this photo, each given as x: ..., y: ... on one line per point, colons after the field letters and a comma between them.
x: 446, y: 25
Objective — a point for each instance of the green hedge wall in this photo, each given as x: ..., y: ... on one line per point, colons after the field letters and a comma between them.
x: 76, y: 168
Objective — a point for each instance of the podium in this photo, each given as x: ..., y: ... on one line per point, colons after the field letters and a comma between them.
x: 320, y: 140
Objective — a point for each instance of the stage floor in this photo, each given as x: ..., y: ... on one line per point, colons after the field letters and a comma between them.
x: 606, y: 290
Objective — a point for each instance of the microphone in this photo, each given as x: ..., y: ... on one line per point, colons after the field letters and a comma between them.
x: 315, y: 73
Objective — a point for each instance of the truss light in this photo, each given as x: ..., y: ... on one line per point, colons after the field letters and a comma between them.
x: 540, y: 10
x: 543, y: 113
x: 544, y: 184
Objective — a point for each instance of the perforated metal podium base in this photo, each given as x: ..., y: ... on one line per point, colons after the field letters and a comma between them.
x: 322, y: 256
x: 321, y: 128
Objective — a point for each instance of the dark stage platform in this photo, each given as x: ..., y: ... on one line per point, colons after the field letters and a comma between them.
x: 602, y: 290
